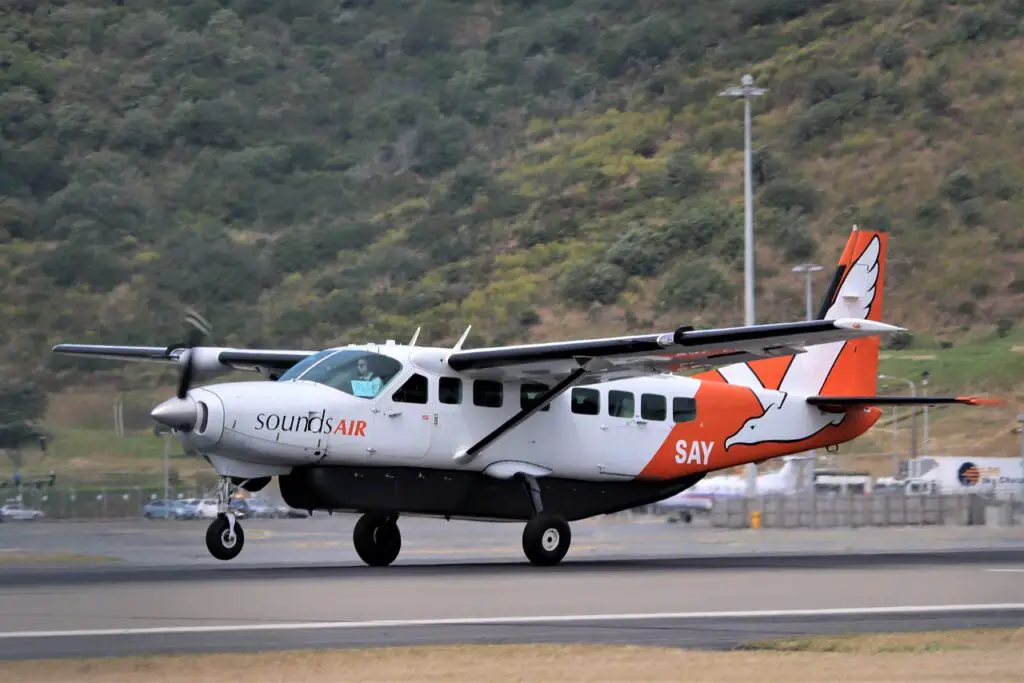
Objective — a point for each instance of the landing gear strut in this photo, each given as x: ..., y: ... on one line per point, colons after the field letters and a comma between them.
x: 224, y: 536
x: 377, y: 539
x: 546, y: 537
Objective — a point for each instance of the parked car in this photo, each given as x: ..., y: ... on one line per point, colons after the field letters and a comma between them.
x: 188, y: 507
x: 206, y: 508
x: 17, y: 511
x: 183, y: 509
x: 165, y: 509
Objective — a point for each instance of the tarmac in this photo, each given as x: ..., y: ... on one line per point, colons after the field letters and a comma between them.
x: 132, y: 587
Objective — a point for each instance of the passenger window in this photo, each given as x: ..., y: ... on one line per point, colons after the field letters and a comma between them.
x: 653, y: 407
x: 586, y: 401
x: 449, y: 390
x: 529, y: 393
x: 413, y: 391
x: 620, y: 403
x: 684, y: 409
x: 487, y: 393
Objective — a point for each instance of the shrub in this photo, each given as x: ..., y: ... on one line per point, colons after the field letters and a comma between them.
x: 960, y: 185
x: 900, y: 340
x: 790, y: 194
x: 892, y: 53
x: 639, y: 252
x: 930, y: 214
x: 588, y: 282
x: 684, y: 177
x: 693, y: 284
x: 694, y: 227
x: 765, y: 166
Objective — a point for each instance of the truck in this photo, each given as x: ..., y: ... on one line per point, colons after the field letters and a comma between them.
x: 998, y: 477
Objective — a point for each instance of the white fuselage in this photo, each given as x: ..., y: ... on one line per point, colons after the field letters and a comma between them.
x: 292, y: 423
x: 415, y: 411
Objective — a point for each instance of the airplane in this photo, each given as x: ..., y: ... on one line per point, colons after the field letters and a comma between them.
x: 543, y: 433
x: 700, y: 497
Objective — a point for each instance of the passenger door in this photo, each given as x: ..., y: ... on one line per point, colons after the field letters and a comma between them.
x: 403, y: 422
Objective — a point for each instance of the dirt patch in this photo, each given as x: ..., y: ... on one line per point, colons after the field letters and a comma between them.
x: 8, y: 557
x: 902, y: 657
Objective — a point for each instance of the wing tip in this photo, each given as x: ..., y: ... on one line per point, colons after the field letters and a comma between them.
x: 981, y: 400
x: 867, y: 326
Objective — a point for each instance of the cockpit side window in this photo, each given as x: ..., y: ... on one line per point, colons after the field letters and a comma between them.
x: 360, y: 373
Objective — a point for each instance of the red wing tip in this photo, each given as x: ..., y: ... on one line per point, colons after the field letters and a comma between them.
x: 981, y: 400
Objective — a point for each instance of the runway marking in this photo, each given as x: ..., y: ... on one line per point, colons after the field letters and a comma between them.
x: 1005, y: 570
x: 547, y: 619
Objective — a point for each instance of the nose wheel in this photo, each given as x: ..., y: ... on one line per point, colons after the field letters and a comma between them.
x: 224, y: 537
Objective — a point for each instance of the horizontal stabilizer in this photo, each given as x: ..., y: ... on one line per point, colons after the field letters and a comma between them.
x: 844, y: 402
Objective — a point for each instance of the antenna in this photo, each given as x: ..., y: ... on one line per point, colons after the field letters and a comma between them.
x: 415, y: 336
x: 462, y: 339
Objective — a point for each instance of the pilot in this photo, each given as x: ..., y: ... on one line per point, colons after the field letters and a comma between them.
x: 369, y: 383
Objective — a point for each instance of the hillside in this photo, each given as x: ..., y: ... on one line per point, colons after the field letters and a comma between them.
x: 308, y: 172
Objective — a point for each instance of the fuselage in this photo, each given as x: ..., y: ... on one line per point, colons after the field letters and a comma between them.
x: 418, y: 413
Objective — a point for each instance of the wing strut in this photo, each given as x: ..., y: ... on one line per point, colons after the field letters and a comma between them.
x: 466, y: 456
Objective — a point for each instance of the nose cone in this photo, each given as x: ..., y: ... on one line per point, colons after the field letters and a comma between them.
x: 176, y: 413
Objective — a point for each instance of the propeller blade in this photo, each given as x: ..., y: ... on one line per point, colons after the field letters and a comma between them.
x: 200, y: 328
x: 185, y: 376
x: 198, y: 322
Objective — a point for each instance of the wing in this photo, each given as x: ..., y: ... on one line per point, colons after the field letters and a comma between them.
x: 208, y: 358
x: 686, y: 348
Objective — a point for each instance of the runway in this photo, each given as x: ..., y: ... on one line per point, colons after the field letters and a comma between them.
x: 299, y: 586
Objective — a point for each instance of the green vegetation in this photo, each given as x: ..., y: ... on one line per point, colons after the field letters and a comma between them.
x: 308, y: 172
x: 976, y: 366
x: 22, y: 407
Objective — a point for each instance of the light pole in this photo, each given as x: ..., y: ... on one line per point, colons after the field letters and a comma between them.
x: 1020, y: 419
x: 167, y: 473
x: 746, y: 90
x: 808, y: 268
x: 924, y: 392
x: 913, y: 419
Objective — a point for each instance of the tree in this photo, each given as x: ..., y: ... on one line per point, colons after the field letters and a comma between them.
x: 22, y: 406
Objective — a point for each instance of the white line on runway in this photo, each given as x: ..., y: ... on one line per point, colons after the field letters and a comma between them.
x: 548, y: 619
x: 1004, y: 570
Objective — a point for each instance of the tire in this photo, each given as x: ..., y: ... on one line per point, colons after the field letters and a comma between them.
x: 218, y: 544
x: 377, y: 540
x: 546, y: 539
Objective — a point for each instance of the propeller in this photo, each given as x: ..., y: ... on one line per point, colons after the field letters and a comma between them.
x: 200, y: 329
x: 177, y: 413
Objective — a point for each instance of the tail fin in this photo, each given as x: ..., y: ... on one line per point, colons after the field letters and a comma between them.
x: 838, y: 368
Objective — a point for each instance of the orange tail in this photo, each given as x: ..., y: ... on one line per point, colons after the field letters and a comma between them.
x: 839, y: 368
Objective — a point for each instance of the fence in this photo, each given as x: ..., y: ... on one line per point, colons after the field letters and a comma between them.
x: 98, y: 503
x: 858, y: 510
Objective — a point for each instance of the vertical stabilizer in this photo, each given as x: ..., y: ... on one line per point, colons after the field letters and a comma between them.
x: 839, y: 368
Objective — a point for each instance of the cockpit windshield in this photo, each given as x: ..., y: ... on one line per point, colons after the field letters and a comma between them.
x: 357, y: 372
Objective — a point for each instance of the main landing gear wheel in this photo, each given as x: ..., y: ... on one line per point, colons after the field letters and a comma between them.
x: 223, y: 541
x: 377, y: 539
x: 546, y: 539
